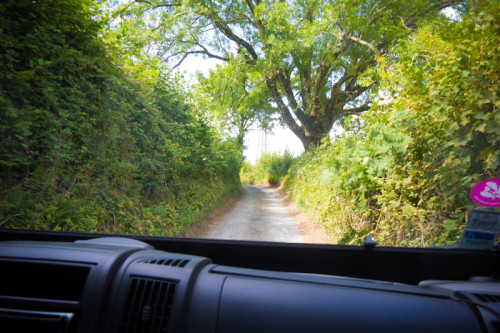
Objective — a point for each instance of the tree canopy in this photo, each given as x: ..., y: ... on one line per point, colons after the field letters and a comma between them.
x: 315, y: 57
x: 235, y: 101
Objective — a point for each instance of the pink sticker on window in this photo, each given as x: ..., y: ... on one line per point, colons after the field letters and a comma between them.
x: 487, y: 193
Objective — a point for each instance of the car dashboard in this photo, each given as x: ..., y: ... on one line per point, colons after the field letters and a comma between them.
x: 125, y: 285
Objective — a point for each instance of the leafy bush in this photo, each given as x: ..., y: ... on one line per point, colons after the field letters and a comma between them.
x: 270, y: 169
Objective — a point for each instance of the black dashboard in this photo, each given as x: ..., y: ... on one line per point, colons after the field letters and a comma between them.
x: 125, y: 285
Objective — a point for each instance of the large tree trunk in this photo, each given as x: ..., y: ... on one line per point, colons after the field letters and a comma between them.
x: 312, y: 141
x: 313, y: 120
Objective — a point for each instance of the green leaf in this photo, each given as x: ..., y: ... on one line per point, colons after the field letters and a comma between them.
x: 449, y: 225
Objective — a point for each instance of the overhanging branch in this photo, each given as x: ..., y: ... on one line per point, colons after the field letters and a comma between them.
x: 283, y: 109
x: 207, y: 53
x: 286, y: 86
x: 364, y: 43
x: 356, y: 110
x: 324, y: 67
x: 220, y: 24
x: 160, y: 5
x: 178, y: 64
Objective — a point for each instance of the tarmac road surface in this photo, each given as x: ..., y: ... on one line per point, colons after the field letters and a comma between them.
x: 259, y: 216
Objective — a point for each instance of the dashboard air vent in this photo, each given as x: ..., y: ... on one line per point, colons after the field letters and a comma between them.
x: 42, y: 280
x: 166, y: 262
x: 488, y: 298
x: 148, y: 306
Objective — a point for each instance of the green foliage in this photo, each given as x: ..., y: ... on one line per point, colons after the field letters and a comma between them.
x: 88, y: 143
x: 314, y: 58
x: 270, y: 169
x: 234, y: 100
x: 405, y: 176
x: 339, y: 182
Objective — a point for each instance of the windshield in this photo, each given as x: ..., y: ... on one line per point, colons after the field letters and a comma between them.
x: 290, y: 121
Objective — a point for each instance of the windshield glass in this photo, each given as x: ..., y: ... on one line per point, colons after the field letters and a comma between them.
x: 291, y: 121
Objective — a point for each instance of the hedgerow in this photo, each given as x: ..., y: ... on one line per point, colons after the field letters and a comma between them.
x: 86, y: 145
x: 269, y: 169
x: 404, y: 173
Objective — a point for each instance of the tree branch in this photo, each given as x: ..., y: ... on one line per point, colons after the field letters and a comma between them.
x: 337, y: 85
x: 203, y: 50
x: 356, y: 110
x: 286, y: 85
x: 206, y: 52
x: 324, y: 68
x: 178, y: 64
x: 356, y: 92
x: 303, y: 64
x: 283, y: 109
x: 123, y: 9
x: 161, y: 5
x: 250, y: 5
x: 364, y: 43
x: 243, y: 16
x: 230, y: 34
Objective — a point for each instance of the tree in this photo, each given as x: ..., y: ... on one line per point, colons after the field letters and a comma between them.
x: 315, y: 57
x: 235, y: 101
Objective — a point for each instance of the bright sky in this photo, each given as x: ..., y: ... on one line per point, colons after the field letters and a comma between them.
x: 256, y: 141
x: 279, y: 140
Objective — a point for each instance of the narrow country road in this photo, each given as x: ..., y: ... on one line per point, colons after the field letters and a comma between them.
x: 259, y: 216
